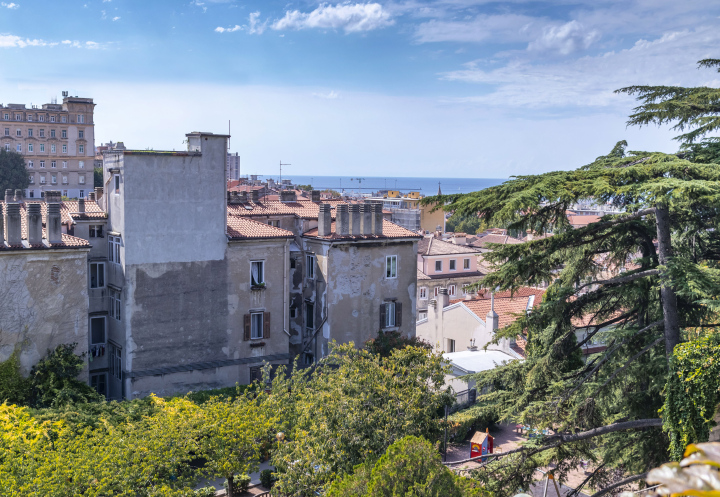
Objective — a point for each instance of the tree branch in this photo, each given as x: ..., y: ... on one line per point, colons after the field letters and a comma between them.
x: 612, y: 487
x: 622, y: 279
x: 630, y: 361
x: 598, y: 327
x: 579, y: 488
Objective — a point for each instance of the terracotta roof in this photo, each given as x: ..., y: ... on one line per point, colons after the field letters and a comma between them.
x: 240, y: 228
x: 483, y: 240
x: 422, y: 276
x: 68, y: 241
x: 304, y: 209
x: 92, y: 210
x: 433, y: 246
x: 578, y: 220
x: 390, y: 230
x: 506, y: 307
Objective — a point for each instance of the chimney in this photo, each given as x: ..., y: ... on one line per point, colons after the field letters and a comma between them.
x: 287, y: 196
x: 354, y: 223
x: 91, y: 196
x: 81, y: 205
x: 242, y: 197
x: 492, y: 319
x: 324, y: 220
x: 19, y: 196
x: 342, y: 220
x: 443, y: 299
x: 54, y: 223
x: 366, y: 219
x: 9, y: 196
x: 98, y: 192
x: 460, y: 239
x: 315, y: 195
x: 13, y: 224
x: 377, y: 215
x: 254, y: 196
x: 34, y: 224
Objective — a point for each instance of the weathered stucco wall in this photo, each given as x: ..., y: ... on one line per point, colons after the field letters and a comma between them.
x: 43, y: 303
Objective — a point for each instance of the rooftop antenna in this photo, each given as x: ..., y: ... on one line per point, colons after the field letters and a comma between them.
x: 228, y: 135
x: 281, y: 165
x: 359, y: 180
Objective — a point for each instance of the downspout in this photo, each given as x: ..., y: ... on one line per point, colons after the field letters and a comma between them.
x: 286, y: 288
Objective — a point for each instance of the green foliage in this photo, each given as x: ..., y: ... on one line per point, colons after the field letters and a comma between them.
x: 98, y: 177
x: 478, y: 416
x: 205, y: 492
x: 692, y: 394
x: 706, y: 151
x: 307, y: 188
x: 693, y: 109
x: 410, y: 467
x: 267, y: 479
x: 54, y: 379
x: 14, y: 389
x: 351, y: 407
x: 470, y: 224
x: 388, y: 341
x: 13, y: 174
x: 230, y: 393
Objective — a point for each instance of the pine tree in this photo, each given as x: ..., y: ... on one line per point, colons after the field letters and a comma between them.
x: 605, y: 409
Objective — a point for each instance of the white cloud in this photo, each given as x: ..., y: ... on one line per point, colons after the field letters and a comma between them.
x: 352, y: 18
x: 103, y: 14
x: 331, y: 95
x: 565, y: 39
x: 116, y: 18
x: 12, y: 41
x: 220, y: 29
x: 256, y: 27
x: 9, y: 5
x: 502, y: 27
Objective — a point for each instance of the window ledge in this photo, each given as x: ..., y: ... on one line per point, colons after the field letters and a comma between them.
x: 256, y: 344
x: 258, y: 287
x: 391, y: 328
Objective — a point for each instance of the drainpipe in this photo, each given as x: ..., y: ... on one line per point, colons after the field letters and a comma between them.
x: 286, y: 288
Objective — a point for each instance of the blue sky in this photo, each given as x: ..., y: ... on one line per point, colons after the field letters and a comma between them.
x: 457, y: 88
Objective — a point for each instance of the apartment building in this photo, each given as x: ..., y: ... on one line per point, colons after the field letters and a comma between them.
x: 233, y: 166
x: 57, y: 142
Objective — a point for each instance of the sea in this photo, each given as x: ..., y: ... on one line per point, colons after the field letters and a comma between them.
x: 368, y: 185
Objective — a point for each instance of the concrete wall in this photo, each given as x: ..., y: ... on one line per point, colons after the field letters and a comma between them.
x: 43, y: 303
x: 458, y: 323
x: 429, y: 221
x: 426, y: 264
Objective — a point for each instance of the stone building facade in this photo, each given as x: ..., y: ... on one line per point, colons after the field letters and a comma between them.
x: 57, y: 142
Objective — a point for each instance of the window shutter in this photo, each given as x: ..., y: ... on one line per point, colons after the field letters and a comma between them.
x: 383, y: 320
x: 398, y: 314
x: 266, y: 325
x: 247, y: 327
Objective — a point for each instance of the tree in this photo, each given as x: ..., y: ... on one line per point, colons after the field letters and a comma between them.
x: 13, y: 175
x: 351, y: 407
x: 471, y: 224
x: 307, y: 188
x: 98, y: 177
x: 387, y: 341
x: 411, y: 467
x: 605, y: 409
x: 54, y: 379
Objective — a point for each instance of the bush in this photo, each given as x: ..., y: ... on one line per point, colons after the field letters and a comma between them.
x: 54, y: 380
x: 205, y: 492
x: 14, y: 389
x: 462, y: 422
x: 240, y: 484
x: 266, y: 478
x: 388, y: 341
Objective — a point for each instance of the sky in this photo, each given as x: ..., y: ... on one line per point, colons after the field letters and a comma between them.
x: 436, y: 88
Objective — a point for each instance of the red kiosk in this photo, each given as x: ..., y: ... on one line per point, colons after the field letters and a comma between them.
x: 481, y: 444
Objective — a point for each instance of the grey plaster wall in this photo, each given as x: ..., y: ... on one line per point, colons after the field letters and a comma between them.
x: 43, y: 303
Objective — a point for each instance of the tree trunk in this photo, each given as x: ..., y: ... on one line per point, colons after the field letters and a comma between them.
x: 230, y: 486
x: 667, y: 292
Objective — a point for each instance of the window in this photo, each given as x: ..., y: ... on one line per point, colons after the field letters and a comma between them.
x: 52, y: 133
x: 438, y: 266
x: 41, y: 118
x: 53, y: 148
x: 452, y: 264
x: 391, y: 266
x: 115, y: 301
x: 18, y: 132
x: 42, y: 132
x: 423, y: 293
x: 7, y: 147
x: 309, y: 315
x: 116, y: 362
x: 29, y: 117
x: 30, y: 147
x: 64, y: 193
x: 466, y: 263
x: 116, y: 180
x: 255, y: 373
x: 451, y: 345
x: 18, y: 117
x: 42, y: 164
x: 97, y: 275
x: 274, y: 223
x: 65, y: 179
x: 64, y: 149
x: 42, y: 180
x: 97, y: 330
x: 52, y: 119
x: 53, y: 179
x: 32, y: 179
x: 7, y: 116
x: 81, y: 149
x: 293, y: 311
x: 81, y: 164
x: 390, y: 314
x: 293, y: 263
x: 18, y: 147
x: 42, y: 147
x: 437, y: 288
x: 7, y: 131
x: 64, y: 164
x: 30, y: 164
x: 63, y: 119
x: 422, y: 315
x: 99, y: 383
x: 452, y: 290
x: 81, y: 180
x: 82, y: 193
x: 30, y: 132
x: 31, y: 193
x: 96, y: 231
x: 81, y: 134
x: 63, y: 133
x: 310, y: 262
x: 465, y: 289
x: 114, y: 249
x: 81, y: 118
x: 257, y: 273
x: 256, y: 325
x: 53, y: 164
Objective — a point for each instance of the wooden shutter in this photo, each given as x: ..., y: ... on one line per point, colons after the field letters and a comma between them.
x: 266, y: 325
x: 383, y: 310
x: 398, y: 314
x: 247, y: 327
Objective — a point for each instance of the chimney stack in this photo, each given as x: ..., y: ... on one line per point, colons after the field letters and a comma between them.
x: 12, y: 222
x: 342, y: 220
x: 34, y: 223
x: 81, y: 205
x: 366, y: 219
x: 377, y: 215
x: 254, y: 196
x: 98, y: 192
x: 315, y: 195
x: 443, y: 299
x: 492, y: 319
x: 324, y: 220
x: 354, y: 222
x: 54, y: 223
x: 91, y: 197
x: 19, y: 196
x: 9, y: 197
